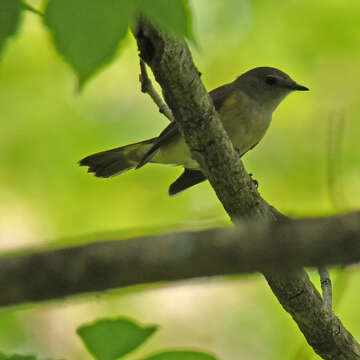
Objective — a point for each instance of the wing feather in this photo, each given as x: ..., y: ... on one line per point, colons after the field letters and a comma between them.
x: 218, y: 96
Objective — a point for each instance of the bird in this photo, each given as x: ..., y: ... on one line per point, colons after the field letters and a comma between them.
x: 245, y: 107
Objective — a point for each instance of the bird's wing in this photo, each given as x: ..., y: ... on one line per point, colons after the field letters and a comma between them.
x: 166, y: 135
x: 218, y: 96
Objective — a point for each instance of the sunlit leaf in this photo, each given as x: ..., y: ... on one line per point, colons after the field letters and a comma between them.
x: 181, y: 355
x: 10, y: 11
x: 110, y: 339
x: 172, y: 15
x: 88, y: 32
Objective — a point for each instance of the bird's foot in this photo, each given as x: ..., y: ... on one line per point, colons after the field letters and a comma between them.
x: 255, y: 182
x: 238, y: 151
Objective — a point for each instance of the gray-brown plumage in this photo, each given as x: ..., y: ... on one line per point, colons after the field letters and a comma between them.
x: 245, y: 107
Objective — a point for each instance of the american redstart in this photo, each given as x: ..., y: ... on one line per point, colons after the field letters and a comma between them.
x: 245, y: 107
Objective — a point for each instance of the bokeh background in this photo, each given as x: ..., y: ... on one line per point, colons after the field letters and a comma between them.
x: 308, y: 164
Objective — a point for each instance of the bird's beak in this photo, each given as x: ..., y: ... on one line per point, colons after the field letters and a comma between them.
x: 300, y: 87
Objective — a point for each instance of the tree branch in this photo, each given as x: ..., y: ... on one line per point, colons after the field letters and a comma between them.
x: 199, y: 122
x: 249, y: 247
x: 147, y: 87
x: 172, y: 65
x: 326, y: 286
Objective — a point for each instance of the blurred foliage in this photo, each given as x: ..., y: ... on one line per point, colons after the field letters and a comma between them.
x: 172, y: 15
x: 10, y: 12
x: 88, y: 33
x: 110, y: 339
x: 47, y: 127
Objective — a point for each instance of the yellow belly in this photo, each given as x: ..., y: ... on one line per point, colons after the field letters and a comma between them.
x: 175, y: 153
x: 243, y: 121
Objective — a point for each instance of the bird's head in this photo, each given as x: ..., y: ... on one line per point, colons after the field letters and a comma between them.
x: 267, y: 85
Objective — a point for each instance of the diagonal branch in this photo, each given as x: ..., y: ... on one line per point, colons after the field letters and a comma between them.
x: 172, y: 65
x: 199, y: 122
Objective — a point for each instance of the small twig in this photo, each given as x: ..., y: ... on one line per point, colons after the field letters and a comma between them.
x: 326, y: 286
x: 147, y: 87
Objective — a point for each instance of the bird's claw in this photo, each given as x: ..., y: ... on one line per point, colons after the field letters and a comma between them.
x: 238, y: 151
x: 255, y: 182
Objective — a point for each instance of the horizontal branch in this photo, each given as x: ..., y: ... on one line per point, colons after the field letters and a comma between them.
x: 180, y: 255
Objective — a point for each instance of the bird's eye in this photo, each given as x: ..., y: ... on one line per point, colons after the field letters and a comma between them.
x: 271, y: 80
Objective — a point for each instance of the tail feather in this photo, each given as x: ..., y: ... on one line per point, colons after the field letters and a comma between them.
x: 115, y: 161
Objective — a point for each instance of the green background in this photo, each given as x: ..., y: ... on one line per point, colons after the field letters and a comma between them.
x: 47, y: 126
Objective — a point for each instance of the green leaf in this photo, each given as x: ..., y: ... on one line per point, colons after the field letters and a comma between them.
x: 30, y: 8
x: 181, y: 355
x: 10, y: 11
x: 110, y: 339
x: 87, y: 33
x: 171, y: 15
x: 189, y: 29
x: 16, y: 357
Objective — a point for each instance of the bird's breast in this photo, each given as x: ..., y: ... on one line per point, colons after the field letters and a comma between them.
x: 244, y: 120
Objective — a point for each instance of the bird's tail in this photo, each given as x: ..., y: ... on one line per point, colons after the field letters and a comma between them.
x: 115, y: 161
